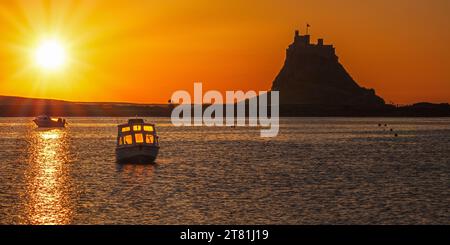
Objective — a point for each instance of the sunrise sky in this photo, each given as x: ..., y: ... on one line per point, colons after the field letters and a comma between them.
x: 143, y: 51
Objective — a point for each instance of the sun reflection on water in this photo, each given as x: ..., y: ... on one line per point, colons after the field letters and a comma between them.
x: 49, y: 200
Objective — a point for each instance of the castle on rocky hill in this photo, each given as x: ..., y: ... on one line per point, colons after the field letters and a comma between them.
x: 312, y: 75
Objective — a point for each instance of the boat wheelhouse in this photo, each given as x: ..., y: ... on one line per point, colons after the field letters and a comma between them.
x: 137, y: 142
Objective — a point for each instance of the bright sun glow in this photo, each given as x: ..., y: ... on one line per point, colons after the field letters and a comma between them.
x: 50, y: 55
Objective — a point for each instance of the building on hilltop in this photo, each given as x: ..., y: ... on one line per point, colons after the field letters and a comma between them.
x: 312, y: 75
x: 303, y: 45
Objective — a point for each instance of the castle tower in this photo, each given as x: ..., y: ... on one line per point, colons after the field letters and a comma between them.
x: 320, y: 42
x: 304, y: 40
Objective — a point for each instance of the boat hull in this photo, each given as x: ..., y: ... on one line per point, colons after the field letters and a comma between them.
x: 137, y: 154
x: 49, y: 124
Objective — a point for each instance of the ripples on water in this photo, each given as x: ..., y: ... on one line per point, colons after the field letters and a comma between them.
x: 317, y: 171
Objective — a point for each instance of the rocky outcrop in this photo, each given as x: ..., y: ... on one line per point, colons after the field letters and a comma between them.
x: 312, y: 75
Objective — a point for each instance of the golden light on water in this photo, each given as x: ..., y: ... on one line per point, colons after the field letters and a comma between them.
x: 47, y: 179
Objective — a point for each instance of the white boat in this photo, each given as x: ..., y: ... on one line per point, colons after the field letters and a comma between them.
x: 45, y: 121
x: 137, y: 142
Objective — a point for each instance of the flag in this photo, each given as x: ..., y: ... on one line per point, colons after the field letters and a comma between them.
x: 308, y: 25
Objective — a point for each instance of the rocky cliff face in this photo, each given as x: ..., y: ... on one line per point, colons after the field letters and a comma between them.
x: 312, y: 75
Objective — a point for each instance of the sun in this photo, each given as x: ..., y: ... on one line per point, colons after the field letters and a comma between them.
x: 50, y: 55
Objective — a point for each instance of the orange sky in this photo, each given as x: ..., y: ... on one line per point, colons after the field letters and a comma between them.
x: 143, y: 51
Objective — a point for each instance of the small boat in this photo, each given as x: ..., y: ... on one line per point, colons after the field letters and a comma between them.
x: 45, y: 121
x: 137, y: 142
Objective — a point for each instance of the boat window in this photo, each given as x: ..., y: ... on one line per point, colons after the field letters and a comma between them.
x: 139, y: 138
x: 149, y: 139
x: 126, y: 129
x: 120, y: 141
x: 148, y: 128
x: 137, y: 128
x: 128, y: 140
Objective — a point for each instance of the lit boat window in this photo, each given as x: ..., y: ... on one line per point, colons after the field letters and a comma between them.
x: 128, y: 140
x: 148, y: 128
x: 137, y: 128
x: 126, y: 129
x: 149, y: 139
x: 120, y: 141
x: 139, y: 138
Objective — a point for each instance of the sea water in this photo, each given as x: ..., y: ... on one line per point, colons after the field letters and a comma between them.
x: 316, y: 171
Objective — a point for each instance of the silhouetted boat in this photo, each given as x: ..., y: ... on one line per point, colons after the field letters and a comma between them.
x: 137, y: 142
x: 45, y: 121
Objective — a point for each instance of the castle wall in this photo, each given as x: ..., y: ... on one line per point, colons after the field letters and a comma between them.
x: 303, y: 46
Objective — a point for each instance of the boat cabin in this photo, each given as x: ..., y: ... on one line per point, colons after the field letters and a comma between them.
x: 137, y: 132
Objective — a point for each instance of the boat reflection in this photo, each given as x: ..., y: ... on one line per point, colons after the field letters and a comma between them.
x: 48, y: 188
x: 136, y: 170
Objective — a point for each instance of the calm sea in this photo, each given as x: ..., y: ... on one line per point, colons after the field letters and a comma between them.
x: 317, y: 171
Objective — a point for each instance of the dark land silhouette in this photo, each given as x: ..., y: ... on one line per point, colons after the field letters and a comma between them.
x: 312, y: 75
x: 27, y: 107
x: 312, y: 82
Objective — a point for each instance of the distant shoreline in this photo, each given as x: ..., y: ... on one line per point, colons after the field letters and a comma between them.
x: 78, y: 110
x: 27, y: 107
